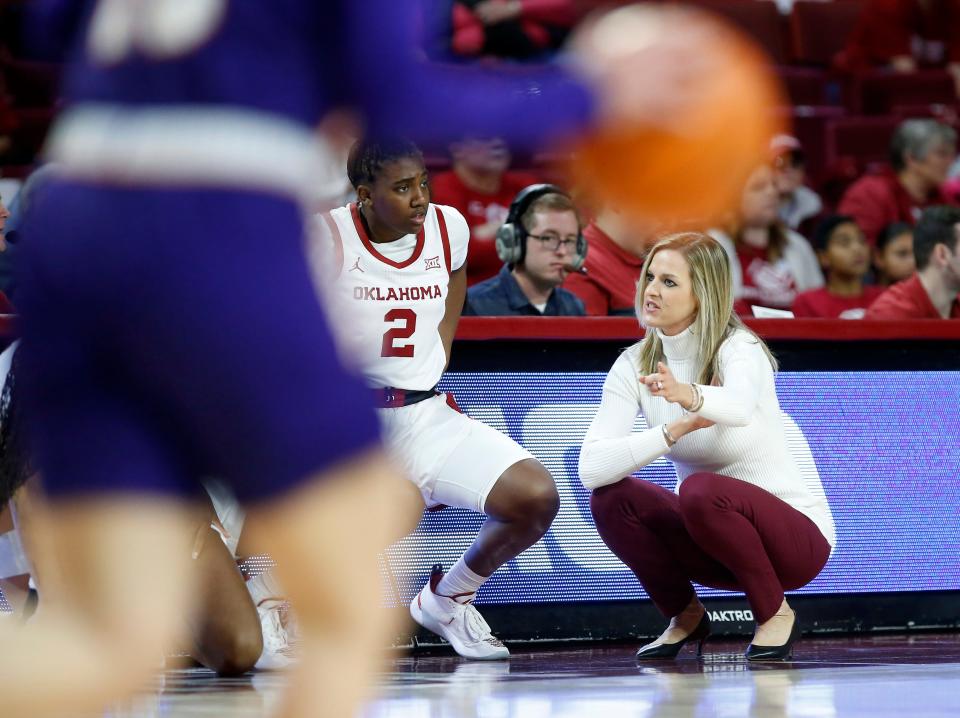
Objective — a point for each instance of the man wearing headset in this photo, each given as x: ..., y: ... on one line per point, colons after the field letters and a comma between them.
x: 540, y: 244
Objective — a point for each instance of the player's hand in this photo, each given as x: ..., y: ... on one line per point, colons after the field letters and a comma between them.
x: 662, y: 383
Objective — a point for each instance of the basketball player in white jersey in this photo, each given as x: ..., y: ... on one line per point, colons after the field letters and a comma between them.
x: 394, y: 267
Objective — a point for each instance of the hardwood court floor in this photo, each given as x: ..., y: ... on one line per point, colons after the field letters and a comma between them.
x: 891, y: 675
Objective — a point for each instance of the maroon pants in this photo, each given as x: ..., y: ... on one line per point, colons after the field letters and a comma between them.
x: 720, y: 532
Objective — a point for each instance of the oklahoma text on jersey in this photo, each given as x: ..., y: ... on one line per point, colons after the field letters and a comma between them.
x: 387, y: 300
x: 398, y: 294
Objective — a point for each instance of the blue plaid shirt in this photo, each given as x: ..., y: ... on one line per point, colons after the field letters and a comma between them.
x: 501, y: 296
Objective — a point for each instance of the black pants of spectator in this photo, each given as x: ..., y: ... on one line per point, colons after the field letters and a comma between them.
x: 720, y: 532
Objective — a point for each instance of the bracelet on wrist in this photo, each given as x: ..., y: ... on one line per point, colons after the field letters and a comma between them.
x: 697, y: 402
x: 667, y: 436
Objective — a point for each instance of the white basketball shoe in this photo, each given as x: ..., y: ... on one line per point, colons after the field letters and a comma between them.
x: 278, y: 649
x: 456, y: 619
x: 277, y: 623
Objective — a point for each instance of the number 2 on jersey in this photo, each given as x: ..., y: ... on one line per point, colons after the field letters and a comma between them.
x: 389, y: 348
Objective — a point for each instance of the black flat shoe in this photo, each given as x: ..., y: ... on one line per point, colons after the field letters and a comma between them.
x: 670, y: 650
x: 775, y: 653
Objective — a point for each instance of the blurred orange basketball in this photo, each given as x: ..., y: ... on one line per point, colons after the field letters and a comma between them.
x: 687, y: 112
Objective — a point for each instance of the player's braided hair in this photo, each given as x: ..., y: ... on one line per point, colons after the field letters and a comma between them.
x: 14, y: 463
x: 368, y: 156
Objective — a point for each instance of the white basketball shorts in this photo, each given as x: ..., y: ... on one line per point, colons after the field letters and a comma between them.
x: 454, y: 460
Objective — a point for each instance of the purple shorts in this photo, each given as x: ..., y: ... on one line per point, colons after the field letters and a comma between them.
x: 174, y: 334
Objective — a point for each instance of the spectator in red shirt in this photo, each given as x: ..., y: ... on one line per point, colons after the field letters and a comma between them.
x: 921, y: 152
x: 613, y: 267
x: 845, y: 259
x: 904, y: 35
x: 934, y: 291
x: 893, y: 256
x: 510, y: 28
x: 482, y: 187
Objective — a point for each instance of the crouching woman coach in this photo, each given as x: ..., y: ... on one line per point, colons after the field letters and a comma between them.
x: 741, y: 517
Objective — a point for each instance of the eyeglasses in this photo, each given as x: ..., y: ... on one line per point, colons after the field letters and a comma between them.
x: 553, y: 242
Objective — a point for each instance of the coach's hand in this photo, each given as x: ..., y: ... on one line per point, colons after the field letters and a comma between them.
x: 662, y: 383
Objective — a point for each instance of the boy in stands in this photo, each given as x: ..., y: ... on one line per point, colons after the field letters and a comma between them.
x: 845, y: 259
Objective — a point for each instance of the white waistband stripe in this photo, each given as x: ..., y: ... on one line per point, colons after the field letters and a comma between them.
x: 226, y: 147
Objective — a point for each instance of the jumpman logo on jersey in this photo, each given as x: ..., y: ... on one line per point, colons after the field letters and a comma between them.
x: 432, y: 262
x: 356, y: 265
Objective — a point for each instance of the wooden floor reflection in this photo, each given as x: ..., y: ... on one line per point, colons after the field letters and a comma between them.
x: 902, y: 676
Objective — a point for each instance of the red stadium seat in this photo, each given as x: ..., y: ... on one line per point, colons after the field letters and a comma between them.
x: 864, y: 140
x: 810, y: 86
x: 759, y: 19
x: 819, y: 30
x: 948, y: 114
x: 809, y: 126
x: 877, y: 92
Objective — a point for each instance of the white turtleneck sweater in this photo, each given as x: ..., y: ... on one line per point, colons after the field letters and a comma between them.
x: 748, y: 441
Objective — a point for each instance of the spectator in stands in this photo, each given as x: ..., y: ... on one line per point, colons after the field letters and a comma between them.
x: 771, y: 263
x: 845, y: 259
x: 798, y: 203
x: 921, y: 152
x: 541, y: 243
x: 518, y: 29
x: 482, y: 187
x: 609, y: 278
x: 905, y: 35
x: 933, y: 292
x: 893, y: 256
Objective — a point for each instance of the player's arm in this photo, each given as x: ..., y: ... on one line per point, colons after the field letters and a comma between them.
x: 456, y: 295
x: 526, y: 106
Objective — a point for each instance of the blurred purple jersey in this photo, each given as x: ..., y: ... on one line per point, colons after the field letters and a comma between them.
x: 298, y: 59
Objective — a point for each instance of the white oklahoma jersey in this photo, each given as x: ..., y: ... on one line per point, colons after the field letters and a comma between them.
x: 385, y: 303
x: 388, y: 299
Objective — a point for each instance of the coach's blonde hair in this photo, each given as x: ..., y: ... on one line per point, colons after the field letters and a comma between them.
x: 712, y: 286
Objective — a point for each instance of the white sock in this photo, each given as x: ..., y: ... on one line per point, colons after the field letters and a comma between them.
x: 460, y: 580
x: 13, y: 560
x: 229, y: 512
x: 263, y: 587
